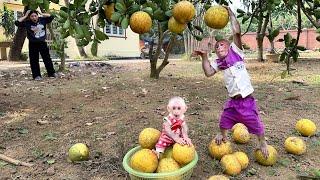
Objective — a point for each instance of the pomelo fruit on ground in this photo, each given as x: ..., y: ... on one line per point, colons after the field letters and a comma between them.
x: 306, y: 127
x: 241, y: 135
x: 79, y: 152
x: 217, y: 151
x: 272, y: 158
x: 295, y: 145
x: 230, y: 164
x: 242, y: 158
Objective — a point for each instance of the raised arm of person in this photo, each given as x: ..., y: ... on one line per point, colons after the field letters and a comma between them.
x: 23, y: 18
x: 235, y: 27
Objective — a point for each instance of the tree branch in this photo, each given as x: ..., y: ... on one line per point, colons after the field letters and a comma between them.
x: 166, y: 57
x: 251, y: 19
x: 313, y: 21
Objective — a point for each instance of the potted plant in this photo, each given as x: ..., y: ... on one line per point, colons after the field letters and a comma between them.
x: 273, y: 55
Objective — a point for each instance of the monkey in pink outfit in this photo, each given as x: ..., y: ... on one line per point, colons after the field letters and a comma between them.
x: 175, y: 129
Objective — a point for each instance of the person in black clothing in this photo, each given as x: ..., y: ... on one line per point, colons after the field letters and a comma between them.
x: 36, y: 33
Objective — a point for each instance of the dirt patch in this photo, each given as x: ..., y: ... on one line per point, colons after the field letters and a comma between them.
x: 107, y: 106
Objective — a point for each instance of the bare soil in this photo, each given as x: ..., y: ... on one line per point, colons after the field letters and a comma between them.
x: 107, y: 106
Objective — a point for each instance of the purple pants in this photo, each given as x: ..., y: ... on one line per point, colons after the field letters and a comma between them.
x: 242, y: 110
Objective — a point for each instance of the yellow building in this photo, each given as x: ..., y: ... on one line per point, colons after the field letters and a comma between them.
x: 121, y: 43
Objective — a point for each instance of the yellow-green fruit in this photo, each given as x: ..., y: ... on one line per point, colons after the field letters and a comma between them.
x: 168, y: 165
x: 108, y: 10
x: 242, y: 158
x: 148, y: 138
x: 241, y: 135
x: 183, y: 11
x: 183, y: 154
x: 216, y: 17
x: 79, y: 152
x: 218, y: 177
x: 272, y: 158
x: 140, y: 22
x: 144, y: 160
x: 176, y: 27
x: 217, y: 151
x: 295, y: 145
x: 306, y: 127
x: 167, y: 153
x: 238, y: 125
x: 230, y: 164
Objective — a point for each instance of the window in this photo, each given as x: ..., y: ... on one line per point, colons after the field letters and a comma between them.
x: 114, y: 31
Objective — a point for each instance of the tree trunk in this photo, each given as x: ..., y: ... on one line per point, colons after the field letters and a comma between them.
x: 81, y: 50
x: 62, y: 66
x: 260, y: 37
x: 154, y: 58
x: 260, y: 47
x: 17, y: 44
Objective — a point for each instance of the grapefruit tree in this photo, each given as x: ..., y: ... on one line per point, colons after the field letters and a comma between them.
x: 150, y: 17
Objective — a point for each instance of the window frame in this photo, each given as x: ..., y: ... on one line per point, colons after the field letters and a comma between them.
x: 116, y: 35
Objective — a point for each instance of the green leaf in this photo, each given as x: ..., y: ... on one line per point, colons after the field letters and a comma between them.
x: 287, y: 39
x: 148, y: 10
x: 25, y: 2
x: 79, y: 31
x: 100, y: 35
x: 295, y: 56
x: 199, y: 28
x: 134, y: 8
x: 301, y: 48
x: 120, y: 7
x: 240, y: 11
x: 2, y: 164
x: 169, y: 13
x: 245, y: 18
x: 49, y: 136
x: 115, y: 17
x: 23, y: 130
x: 125, y: 23
x: 284, y: 74
x: 94, y: 48
x: 198, y: 37
x: 207, y: 6
x: 46, y: 4
x: 87, y: 33
x: 63, y: 14
x: 159, y: 15
x: 66, y: 24
x: 65, y: 34
x: 51, y: 161
x: 39, y: 1
x: 282, y: 56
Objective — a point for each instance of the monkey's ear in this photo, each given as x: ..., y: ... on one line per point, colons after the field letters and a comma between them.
x: 169, y: 108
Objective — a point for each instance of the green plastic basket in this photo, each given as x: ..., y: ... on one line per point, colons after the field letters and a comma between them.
x: 183, y: 173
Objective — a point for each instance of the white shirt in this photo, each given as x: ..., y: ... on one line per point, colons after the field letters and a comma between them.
x: 236, y: 76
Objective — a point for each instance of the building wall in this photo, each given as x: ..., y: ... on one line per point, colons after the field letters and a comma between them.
x: 307, y: 39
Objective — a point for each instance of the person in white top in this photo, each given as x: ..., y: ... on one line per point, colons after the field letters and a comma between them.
x: 241, y: 107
